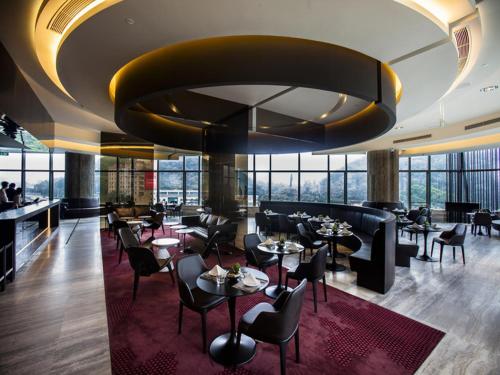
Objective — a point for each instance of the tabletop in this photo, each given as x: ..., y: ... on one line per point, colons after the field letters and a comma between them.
x: 331, y: 234
x: 164, y: 242
x: 295, y: 216
x: 185, y: 231
x: 171, y: 223
x: 473, y: 213
x: 178, y: 226
x: 134, y: 222
x: 422, y: 229
x: 274, y: 249
x: 227, y: 289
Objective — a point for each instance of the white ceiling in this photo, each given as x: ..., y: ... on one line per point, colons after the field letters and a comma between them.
x: 384, y: 29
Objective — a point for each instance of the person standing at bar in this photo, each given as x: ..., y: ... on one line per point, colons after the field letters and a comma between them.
x: 4, y: 200
x: 18, y: 198
x: 11, y: 191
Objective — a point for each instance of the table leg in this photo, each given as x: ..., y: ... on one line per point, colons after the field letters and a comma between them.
x: 275, y: 290
x: 334, y: 266
x: 224, y: 349
x: 425, y: 257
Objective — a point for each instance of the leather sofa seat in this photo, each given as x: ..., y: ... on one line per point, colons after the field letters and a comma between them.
x: 205, y: 225
x: 404, y: 251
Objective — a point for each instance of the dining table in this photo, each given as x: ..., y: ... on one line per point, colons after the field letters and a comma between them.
x: 425, y: 230
x: 332, y: 238
x: 274, y: 291
x: 224, y: 349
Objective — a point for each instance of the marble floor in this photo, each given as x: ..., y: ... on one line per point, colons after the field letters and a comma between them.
x: 53, y: 318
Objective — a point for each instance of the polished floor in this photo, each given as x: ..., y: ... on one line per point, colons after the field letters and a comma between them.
x: 53, y: 318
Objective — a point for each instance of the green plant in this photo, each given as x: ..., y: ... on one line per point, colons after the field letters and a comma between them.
x: 235, y: 268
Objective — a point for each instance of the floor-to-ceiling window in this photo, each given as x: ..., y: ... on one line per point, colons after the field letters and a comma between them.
x: 469, y: 176
x: 306, y: 177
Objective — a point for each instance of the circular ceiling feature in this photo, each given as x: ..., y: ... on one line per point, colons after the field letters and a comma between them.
x: 156, y: 99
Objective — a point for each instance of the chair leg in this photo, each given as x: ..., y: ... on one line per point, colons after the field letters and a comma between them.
x: 171, y: 272
x: 283, y: 346
x: 441, y: 254
x: 120, y: 257
x: 297, y: 346
x: 463, y: 253
x: 286, y: 281
x: 453, y: 252
x: 432, y: 247
x: 315, y: 292
x: 181, y: 308
x: 118, y: 243
x: 136, y: 284
x: 204, y: 330
x: 324, y: 287
x: 163, y: 228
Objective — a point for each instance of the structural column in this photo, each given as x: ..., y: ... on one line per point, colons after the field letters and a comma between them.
x: 383, y: 175
x: 79, y: 179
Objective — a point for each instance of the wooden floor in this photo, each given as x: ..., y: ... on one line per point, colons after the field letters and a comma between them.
x: 53, y: 318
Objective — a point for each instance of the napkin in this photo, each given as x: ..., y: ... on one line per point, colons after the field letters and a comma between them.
x: 327, y: 217
x: 292, y: 246
x: 217, y: 270
x: 268, y: 242
x: 415, y: 225
x: 345, y: 223
x: 250, y: 280
x: 323, y: 229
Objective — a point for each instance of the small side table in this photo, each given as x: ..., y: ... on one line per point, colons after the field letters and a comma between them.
x: 162, y: 244
x: 184, y: 232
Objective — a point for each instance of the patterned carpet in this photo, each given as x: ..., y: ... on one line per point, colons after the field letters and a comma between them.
x: 348, y: 335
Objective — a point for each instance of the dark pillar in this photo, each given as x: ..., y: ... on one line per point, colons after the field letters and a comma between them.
x: 383, y: 175
x: 79, y: 182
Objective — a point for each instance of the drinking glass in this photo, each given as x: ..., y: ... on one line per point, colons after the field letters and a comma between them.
x: 220, y: 279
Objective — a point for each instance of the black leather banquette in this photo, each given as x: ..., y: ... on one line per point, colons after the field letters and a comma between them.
x: 374, y: 241
x: 205, y: 225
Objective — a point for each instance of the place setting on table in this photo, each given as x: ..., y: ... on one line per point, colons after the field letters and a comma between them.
x: 270, y: 213
x: 331, y: 232
x: 279, y: 248
x: 236, y: 281
x: 299, y: 215
x: 425, y: 229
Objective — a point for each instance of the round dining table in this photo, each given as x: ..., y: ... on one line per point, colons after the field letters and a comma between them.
x: 332, y: 237
x: 425, y: 230
x: 275, y: 290
x: 224, y: 349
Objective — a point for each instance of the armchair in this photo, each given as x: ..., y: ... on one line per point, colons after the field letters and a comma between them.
x: 255, y: 257
x: 454, y: 238
x: 277, y: 323
x: 306, y: 240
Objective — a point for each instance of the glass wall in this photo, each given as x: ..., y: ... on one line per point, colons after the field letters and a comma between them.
x: 470, y: 176
x: 40, y: 174
x: 308, y: 178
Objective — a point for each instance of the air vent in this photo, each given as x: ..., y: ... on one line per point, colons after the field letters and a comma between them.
x: 65, y: 13
x: 482, y: 123
x: 462, y: 41
x: 413, y: 138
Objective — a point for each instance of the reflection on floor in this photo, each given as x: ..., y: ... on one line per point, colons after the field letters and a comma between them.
x: 53, y: 318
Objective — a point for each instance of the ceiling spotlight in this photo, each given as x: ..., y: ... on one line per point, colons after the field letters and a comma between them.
x: 399, y: 127
x: 323, y: 115
x: 303, y: 122
x: 489, y: 88
x: 264, y: 127
x: 174, y: 108
x: 206, y: 122
x: 129, y: 20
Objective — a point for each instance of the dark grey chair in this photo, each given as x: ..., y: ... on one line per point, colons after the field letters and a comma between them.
x: 262, y: 224
x: 155, y: 223
x: 312, y: 272
x: 286, y: 226
x: 188, y: 269
x: 307, y: 240
x: 254, y: 256
x: 482, y: 219
x: 277, y: 323
x: 454, y: 238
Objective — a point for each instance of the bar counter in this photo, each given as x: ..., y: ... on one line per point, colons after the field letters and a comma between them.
x: 26, y: 228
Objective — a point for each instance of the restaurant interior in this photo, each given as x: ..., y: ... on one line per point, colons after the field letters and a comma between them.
x: 244, y: 187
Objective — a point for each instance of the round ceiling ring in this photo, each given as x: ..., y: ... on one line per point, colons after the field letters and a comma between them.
x: 255, y: 60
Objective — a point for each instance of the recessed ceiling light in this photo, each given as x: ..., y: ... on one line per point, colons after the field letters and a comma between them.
x: 485, y: 65
x: 489, y: 88
x: 129, y: 20
x: 206, y: 122
x: 399, y: 127
x: 303, y: 122
x: 264, y: 127
x: 174, y: 108
x: 323, y: 115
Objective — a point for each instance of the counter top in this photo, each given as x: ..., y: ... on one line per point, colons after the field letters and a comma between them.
x: 28, y: 211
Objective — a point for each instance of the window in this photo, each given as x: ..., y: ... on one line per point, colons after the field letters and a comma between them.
x: 37, y: 161
x: 171, y: 165
x: 309, y: 162
x: 192, y: 188
x: 356, y: 162
x: 313, y: 186
x: 192, y: 163
x: 284, y: 162
x: 11, y: 161
x: 261, y: 187
x: 419, y: 163
x: 336, y: 187
x: 36, y: 185
x: 284, y: 186
x: 403, y: 188
x: 403, y: 163
x: 58, y: 185
x: 418, y: 189
x: 356, y: 187
x: 171, y: 187
x: 337, y: 162
x: 438, y: 189
x: 438, y: 162
x: 262, y: 162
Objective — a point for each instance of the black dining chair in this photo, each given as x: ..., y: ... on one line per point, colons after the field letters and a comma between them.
x: 312, y: 272
x: 177, y: 211
x: 155, y: 223
x: 188, y: 269
x: 285, y: 225
x: 307, y: 241
x: 128, y: 239
x: 211, y: 247
x: 408, y: 229
x: 277, y: 323
x: 144, y: 263
x: 482, y: 219
x: 254, y: 256
x: 454, y: 238
x: 111, y: 217
x: 262, y: 224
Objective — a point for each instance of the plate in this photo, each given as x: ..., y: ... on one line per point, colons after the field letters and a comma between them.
x: 247, y: 283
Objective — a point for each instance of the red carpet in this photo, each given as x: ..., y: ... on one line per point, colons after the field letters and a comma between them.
x: 348, y: 335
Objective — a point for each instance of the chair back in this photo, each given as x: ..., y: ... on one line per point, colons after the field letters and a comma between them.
x: 378, y: 248
x: 159, y: 207
x: 413, y: 214
x: 304, y: 237
x: 251, y: 241
x: 290, y: 310
x: 142, y: 260
x: 318, y: 263
x: 117, y: 224
x: 212, y: 242
x: 261, y: 220
x: 283, y: 223
x: 482, y: 218
x: 128, y: 238
x: 112, y: 217
x: 459, y: 233
x: 188, y: 268
x: 421, y: 219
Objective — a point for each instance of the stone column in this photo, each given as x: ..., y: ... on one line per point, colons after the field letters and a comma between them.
x: 79, y: 179
x: 383, y: 175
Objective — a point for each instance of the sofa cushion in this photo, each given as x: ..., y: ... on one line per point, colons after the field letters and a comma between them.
x: 200, y: 232
x: 370, y: 223
x: 222, y: 220
x: 212, y: 219
x: 203, y: 218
